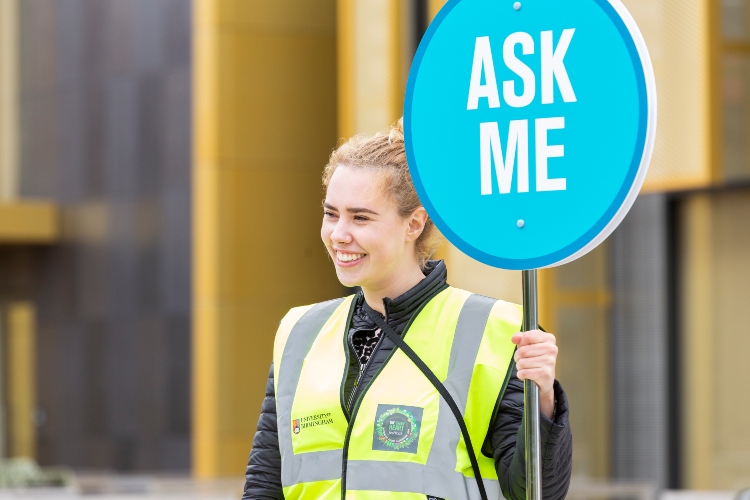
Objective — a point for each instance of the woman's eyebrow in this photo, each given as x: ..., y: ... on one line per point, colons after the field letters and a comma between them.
x: 353, y: 210
x: 359, y: 210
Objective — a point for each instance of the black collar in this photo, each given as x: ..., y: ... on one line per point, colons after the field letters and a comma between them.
x: 400, y: 310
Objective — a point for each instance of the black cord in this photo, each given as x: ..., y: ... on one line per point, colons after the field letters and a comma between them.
x: 396, y: 338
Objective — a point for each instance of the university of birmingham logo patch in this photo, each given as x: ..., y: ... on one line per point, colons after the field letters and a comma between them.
x: 311, y: 421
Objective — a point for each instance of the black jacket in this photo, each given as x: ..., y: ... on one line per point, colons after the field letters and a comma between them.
x: 505, y: 438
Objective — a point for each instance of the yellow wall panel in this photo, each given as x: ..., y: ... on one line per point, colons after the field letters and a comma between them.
x: 293, y: 17
x: 21, y: 382
x: 371, y: 80
x: 434, y: 6
x: 206, y: 82
x: 731, y: 464
x: 277, y: 96
x: 257, y: 239
x: 677, y: 33
x: 265, y: 121
x: 206, y: 386
x: 697, y: 293
x: 29, y: 222
x: 9, y: 115
x: 716, y: 375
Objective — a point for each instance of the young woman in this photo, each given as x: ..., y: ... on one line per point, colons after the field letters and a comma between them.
x: 410, y: 389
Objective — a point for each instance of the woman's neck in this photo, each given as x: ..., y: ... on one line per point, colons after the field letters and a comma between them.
x: 401, y: 283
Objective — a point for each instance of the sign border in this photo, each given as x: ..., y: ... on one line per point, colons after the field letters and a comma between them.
x: 636, y: 174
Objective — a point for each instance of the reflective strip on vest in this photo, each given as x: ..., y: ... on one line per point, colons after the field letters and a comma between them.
x: 325, y: 464
x: 463, y: 338
x: 364, y: 475
x: 504, y: 320
x: 469, y: 333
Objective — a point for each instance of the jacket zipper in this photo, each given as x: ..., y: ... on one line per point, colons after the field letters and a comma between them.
x: 362, y: 370
x: 354, y: 389
x: 360, y: 394
x: 356, y: 399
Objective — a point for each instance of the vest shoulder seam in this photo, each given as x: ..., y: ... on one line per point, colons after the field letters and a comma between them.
x: 485, y: 296
x: 320, y: 303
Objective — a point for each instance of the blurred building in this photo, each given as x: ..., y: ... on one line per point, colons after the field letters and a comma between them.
x: 160, y: 178
x: 95, y: 232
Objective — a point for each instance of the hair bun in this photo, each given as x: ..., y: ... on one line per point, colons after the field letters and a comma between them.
x: 396, y: 133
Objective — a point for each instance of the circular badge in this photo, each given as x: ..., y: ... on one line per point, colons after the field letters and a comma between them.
x: 529, y: 126
x: 397, y: 428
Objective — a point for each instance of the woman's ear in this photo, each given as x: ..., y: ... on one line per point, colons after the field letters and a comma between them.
x: 417, y: 221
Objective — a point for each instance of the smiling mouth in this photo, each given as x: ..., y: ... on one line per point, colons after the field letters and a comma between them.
x: 348, y: 258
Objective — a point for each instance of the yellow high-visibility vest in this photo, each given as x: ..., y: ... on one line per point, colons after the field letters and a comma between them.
x: 402, y: 441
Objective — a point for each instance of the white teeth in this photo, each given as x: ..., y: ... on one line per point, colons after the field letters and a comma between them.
x: 348, y: 257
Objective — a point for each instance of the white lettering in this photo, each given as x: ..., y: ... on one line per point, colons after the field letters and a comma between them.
x: 490, y: 149
x: 553, y: 67
x: 544, y: 152
x: 518, y: 67
x: 483, y: 60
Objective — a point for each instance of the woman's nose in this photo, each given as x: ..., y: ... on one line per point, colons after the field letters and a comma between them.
x: 340, y: 234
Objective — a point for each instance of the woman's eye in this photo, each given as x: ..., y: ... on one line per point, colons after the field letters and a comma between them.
x: 328, y: 215
x: 361, y: 218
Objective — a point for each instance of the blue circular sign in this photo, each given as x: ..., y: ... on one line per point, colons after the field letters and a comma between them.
x: 529, y: 126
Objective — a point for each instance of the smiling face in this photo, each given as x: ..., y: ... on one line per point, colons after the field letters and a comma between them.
x: 371, y: 245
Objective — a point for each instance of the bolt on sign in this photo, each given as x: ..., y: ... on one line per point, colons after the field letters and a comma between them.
x: 530, y: 126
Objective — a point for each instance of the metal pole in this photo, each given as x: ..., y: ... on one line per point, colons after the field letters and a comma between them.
x: 531, y: 395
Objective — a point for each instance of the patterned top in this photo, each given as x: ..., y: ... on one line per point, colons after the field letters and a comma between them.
x: 364, y: 341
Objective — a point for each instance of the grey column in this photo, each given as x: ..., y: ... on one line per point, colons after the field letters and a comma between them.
x: 639, y: 329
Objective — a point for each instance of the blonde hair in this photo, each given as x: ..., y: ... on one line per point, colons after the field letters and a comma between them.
x: 386, y: 154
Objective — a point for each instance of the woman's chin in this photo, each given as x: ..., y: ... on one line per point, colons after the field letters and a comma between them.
x: 349, y: 277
